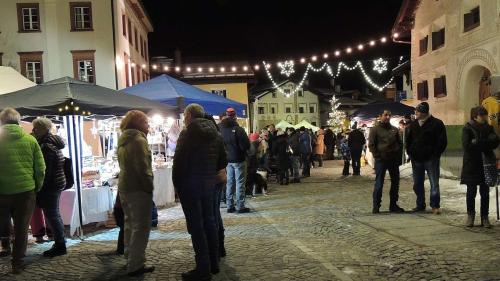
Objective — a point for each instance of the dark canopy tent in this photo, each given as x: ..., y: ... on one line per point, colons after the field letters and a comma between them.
x: 373, y: 110
x: 72, y: 99
x: 51, y: 98
x: 168, y: 90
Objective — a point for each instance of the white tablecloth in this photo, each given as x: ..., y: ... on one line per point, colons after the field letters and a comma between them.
x: 96, y: 202
x: 163, y: 186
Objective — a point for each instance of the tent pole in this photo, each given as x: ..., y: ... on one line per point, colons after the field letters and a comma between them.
x: 78, y: 138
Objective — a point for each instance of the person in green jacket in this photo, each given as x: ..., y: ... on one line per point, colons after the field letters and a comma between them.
x: 22, y: 171
x: 135, y: 188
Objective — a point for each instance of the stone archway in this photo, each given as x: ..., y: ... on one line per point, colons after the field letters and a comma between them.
x: 474, y: 71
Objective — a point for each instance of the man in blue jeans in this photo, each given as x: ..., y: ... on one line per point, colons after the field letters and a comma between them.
x: 237, y: 144
x: 386, y: 147
x: 425, y: 141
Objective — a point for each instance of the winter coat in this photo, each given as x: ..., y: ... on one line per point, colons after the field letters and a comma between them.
x: 476, y: 140
x: 305, y: 143
x: 280, y: 152
x: 320, y: 143
x: 384, y: 143
x: 252, y: 155
x: 426, y: 142
x: 55, y: 180
x: 199, y: 156
x: 235, y: 140
x: 294, y: 143
x: 356, y: 140
x: 134, y: 158
x: 22, y: 167
x: 329, y: 138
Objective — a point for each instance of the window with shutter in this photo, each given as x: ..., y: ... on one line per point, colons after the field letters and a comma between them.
x: 423, y: 45
x: 438, y: 39
x: 472, y: 19
x: 422, y: 91
x: 440, y: 87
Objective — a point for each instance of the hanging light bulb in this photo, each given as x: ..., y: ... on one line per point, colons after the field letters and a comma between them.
x: 383, y: 39
x: 349, y: 50
x: 233, y: 68
x: 256, y: 67
x: 155, y: 66
x: 302, y: 60
x: 325, y: 55
x: 395, y: 35
x: 177, y: 69
x: 211, y: 69
x: 314, y: 58
x: 132, y: 64
x: 166, y: 68
x: 143, y: 66
x: 360, y: 47
x: 188, y: 69
x: 245, y: 68
x: 222, y: 69
x: 337, y: 53
x: 200, y: 69
x: 372, y: 43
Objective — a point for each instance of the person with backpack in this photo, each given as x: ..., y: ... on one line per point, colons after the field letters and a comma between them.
x: 22, y: 172
x: 53, y: 184
x: 237, y: 145
x: 478, y: 138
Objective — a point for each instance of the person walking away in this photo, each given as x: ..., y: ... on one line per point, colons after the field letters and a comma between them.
x: 53, y: 184
x: 478, y: 138
x: 135, y: 187
x: 329, y: 144
x: 346, y: 155
x: 280, y: 151
x: 199, y: 157
x: 356, y: 143
x: 305, y: 149
x: 253, y: 163
x: 319, y: 149
x: 386, y: 147
x: 22, y: 172
x: 312, y: 157
x: 425, y: 141
x: 237, y: 144
x: 294, y: 144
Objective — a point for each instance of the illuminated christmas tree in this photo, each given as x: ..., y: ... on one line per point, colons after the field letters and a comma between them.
x: 337, y: 117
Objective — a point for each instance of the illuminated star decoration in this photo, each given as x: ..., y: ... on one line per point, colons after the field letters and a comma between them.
x: 380, y: 65
x: 287, y: 68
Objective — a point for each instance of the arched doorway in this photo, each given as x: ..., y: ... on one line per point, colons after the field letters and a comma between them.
x: 477, y: 87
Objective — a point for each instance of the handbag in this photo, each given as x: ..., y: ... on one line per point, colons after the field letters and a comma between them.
x: 490, y: 168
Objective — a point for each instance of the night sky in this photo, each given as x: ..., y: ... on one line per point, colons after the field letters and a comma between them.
x: 274, y: 30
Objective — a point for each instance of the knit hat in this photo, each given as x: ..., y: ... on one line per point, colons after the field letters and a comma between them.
x: 230, y: 112
x: 253, y: 137
x: 423, y: 107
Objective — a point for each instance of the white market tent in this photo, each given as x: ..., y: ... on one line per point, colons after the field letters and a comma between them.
x: 283, y: 125
x: 11, y: 80
x: 307, y: 125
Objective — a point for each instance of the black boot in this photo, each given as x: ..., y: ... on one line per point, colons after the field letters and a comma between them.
x: 58, y: 249
x: 194, y: 275
x: 394, y: 208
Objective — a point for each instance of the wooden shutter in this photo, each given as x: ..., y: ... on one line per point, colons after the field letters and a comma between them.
x: 423, y: 45
x: 425, y: 91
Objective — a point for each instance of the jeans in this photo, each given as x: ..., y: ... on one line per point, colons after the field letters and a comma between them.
x: 432, y: 169
x: 356, y: 162
x: 381, y: 168
x: 198, y: 209
x: 306, y: 164
x: 219, y: 224
x: 236, y: 178
x: 137, y: 209
x: 347, y: 164
x: 295, y: 166
x: 53, y: 220
x: 484, y: 191
x: 20, y: 208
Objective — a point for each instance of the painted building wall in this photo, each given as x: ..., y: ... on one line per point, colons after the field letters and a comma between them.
x: 280, y: 102
x: 234, y: 91
x: 463, y: 58
x: 56, y: 40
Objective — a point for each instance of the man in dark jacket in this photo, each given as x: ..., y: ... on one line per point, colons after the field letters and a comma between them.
x: 53, y: 184
x: 386, y: 147
x: 294, y: 143
x: 329, y: 144
x: 305, y: 148
x: 237, y: 144
x: 199, y: 156
x: 356, y: 142
x: 425, y: 141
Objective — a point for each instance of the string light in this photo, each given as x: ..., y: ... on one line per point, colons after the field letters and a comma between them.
x: 380, y: 65
x: 200, y: 69
x: 177, y: 69
x: 372, y: 43
x: 360, y: 47
x: 383, y: 40
x: 314, y: 58
x: 245, y: 68
x: 287, y: 68
x: 143, y: 66
x: 155, y: 66
x: 211, y: 69
x: 302, y: 60
x: 222, y: 69
x: 233, y: 68
x: 349, y: 50
x: 188, y: 69
x: 337, y: 53
x: 132, y: 64
x: 395, y: 35
x: 165, y: 68
x: 325, y: 55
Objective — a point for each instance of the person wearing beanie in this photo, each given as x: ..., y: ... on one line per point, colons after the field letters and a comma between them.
x: 425, y: 141
x: 237, y: 145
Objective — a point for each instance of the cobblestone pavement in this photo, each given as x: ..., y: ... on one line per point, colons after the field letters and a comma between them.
x: 321, y: 229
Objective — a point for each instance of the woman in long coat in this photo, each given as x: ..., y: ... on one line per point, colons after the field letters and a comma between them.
x: 478, y: 137
x: 319, y: 150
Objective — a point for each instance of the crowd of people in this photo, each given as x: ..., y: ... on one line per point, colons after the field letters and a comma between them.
x: 218, y: 162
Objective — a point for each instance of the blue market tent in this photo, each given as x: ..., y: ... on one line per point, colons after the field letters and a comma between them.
x: 371, y: 111
x: 167, y: 90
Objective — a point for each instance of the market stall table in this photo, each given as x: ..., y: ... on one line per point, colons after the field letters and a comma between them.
x: 96, y: 203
